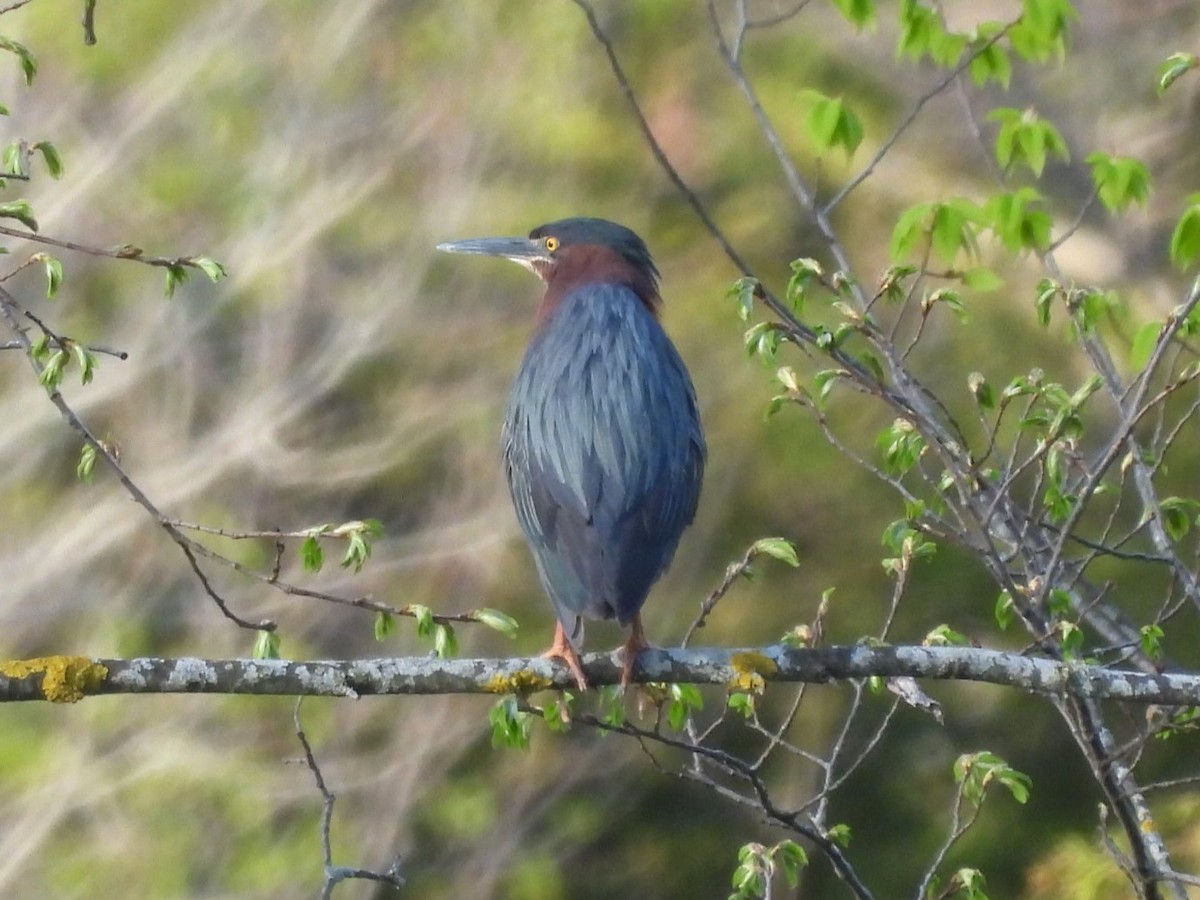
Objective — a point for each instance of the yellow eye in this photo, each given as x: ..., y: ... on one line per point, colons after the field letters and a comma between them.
x: 551, y: 244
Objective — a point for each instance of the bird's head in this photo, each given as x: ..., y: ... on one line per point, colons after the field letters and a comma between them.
x: 571, y: 253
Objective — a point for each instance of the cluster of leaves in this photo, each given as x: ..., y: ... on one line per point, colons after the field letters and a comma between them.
x: 757, y: 865
x: 1032, y: 456
x: 55, y: 354
x: 356, y: 534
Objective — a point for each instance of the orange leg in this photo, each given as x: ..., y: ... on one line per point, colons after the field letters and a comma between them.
x: 563, y: 649
x: 634, y: 644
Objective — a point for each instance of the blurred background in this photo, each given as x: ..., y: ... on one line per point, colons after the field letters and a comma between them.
x: 345, y: 370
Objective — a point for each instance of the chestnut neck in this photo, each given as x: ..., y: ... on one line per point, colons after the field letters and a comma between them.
x: 583, y: 264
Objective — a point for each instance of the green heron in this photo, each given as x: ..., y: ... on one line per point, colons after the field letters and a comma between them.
x: 602, y: 440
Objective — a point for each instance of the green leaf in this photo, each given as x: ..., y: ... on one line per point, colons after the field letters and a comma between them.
x: 358, y: 548
x: 12, y: 162
x: 1004, y: 610
x: 52, y: 372
x: 791, y: 858
x: 908, y: 230
x: 54, y: 274
x: 951, y: 226
x: 85, y: 360
x: 967, y: 883
x: 40, y: 348
x: 787, y: 377
x: 741, y: 703
x: 874, y: 366
x: 311, y: 555
x: 612, y: 705
x: 902, y: 446
x: 424, y: 616
x: 976, y: 771
x: 1026, y: 139
x: 557, y: 712
x: 385, y: 624
x: 357, y: 551
x: 266, y: 645
x: 210, y: 267
x: 830, y: 123
x: 1071, y: 638
x: 1058, y: 602
x: 1047, y: 291
x: 176, y: 275
x: 1041, y: 31
x: 918, y: 25
x: 945, y: 636
x: 984, y: 393
x: 1173, y: 67
x: 1145, y: 339
x: 839, y: 834
x: 29, y: 64
x: 1018, y: 221
x: 1185, y: 239
x: 744, y: 290
x: 804, y: 272
x: 445, y: 644
x: 762, y: 340
x: 1151, y: 641
x: 989, y: 62
x: 859, y: 13
x: 779, y: 548
x: 497, y: 621
x: 21, y: 211
x: 510, y: 724
x: 1177, y: 515
x: 51, y: 157
x: 683, y: 699
x: 982, y: 279
x: 87, y: 463
x: 1119, y: 181
x: 946, y: 297
x: 947, y: 232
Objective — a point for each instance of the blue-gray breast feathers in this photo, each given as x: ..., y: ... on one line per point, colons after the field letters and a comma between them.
x: 604, y: 452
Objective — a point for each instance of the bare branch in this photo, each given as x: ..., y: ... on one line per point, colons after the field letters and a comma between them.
x: 126, y: 251
x: 336, y: 874
x: 37, y: 679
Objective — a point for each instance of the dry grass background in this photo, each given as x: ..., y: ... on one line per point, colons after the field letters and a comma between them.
x: 320, y: 150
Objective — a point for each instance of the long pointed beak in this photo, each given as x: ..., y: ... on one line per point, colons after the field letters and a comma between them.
x: 518, y: 249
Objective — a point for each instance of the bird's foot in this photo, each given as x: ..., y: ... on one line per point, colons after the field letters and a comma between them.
x: 562, y: 649
x: 631, y: 649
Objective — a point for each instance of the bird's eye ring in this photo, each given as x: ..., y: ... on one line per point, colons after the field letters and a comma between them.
x: 551, y: 244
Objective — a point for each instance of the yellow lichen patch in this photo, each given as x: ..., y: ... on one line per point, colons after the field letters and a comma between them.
x: 749, y: 669
x: 520, y: 682
x: 65, y: 679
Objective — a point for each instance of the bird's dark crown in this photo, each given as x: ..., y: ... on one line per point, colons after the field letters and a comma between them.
x: 584, y: 231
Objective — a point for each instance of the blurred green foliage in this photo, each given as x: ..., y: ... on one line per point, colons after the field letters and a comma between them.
x: 342, y: 372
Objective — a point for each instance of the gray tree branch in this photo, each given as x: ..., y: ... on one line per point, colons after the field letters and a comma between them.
x: 66, y: 679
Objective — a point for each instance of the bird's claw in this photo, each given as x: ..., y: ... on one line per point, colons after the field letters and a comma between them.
x: 562, y: 649
x: 631, y: 649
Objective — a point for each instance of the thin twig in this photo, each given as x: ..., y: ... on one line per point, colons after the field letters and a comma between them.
x: 908, y: 120
x: 126, y: 251
x: 91, y: 348
x: 733, y: 572
x: 336, y: 874
x: 652, y: 142
x: 10, y: 310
